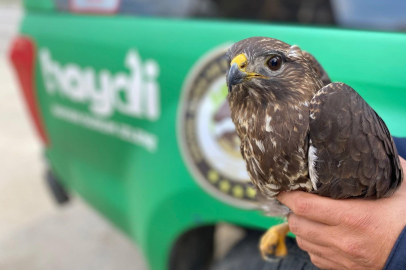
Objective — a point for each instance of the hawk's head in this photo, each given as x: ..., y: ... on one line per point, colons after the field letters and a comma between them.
x: 269, y: 70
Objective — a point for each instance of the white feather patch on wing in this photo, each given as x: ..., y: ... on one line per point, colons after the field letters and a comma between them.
x: 268, y: 126
x: 260, y: 145
x: 312, y: 166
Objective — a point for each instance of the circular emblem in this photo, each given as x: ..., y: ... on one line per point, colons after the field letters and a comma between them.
x: 209, y: 143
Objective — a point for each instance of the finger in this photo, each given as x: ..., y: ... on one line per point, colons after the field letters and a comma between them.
x: 314, y: 207
x: 314, y: 232
x: 323, y: 263
x: 318, y: 250
x: 335, y: 257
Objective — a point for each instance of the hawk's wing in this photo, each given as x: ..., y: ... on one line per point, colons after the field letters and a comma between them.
x: 354, y: 152
x: 317, y: 67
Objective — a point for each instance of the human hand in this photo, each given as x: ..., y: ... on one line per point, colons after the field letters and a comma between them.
x: 346, y: 234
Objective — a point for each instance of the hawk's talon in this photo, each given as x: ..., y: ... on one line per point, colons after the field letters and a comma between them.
x: 273, y: 245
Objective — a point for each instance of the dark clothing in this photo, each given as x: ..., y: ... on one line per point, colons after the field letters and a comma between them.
x: 401, y: 146
x: 397, y: 258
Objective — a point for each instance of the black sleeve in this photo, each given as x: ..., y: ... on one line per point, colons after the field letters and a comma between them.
x: 397, y: 257
x: 401, y: 146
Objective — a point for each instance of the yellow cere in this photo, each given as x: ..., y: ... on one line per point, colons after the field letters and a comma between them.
x: 241, y: 61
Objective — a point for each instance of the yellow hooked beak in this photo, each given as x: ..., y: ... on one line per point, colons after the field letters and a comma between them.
x: 237, y: 73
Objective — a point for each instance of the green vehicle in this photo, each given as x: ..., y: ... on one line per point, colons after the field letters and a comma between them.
x: 133, y: 115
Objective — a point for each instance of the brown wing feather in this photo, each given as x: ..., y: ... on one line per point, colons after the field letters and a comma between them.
x: 317, y: 67
x: 356, y: 155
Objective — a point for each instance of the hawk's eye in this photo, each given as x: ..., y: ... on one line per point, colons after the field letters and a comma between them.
x: 275, y: 62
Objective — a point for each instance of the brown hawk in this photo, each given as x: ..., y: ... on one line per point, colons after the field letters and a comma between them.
x: 299, y: 131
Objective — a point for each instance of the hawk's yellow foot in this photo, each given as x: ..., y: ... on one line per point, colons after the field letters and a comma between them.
x: 273, y: 244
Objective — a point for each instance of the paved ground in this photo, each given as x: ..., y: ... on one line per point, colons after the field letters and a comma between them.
x: 35, y: 234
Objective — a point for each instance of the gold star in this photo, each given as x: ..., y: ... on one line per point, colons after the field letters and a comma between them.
x: 213, y: 176
x: 238, y: 191
x: 224, y: 186
x: 251, y: 192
